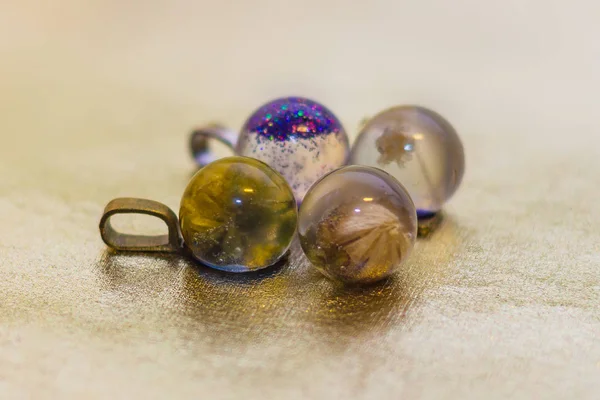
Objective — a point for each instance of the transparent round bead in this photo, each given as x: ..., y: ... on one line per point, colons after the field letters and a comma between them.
x: 298, y: 137
x: 357, y: 224
x: 419, y: 148
x: 237, y: 214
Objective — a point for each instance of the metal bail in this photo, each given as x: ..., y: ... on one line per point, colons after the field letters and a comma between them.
x: 429, y: 224
x: 200, y: 138
x: 122, y: 241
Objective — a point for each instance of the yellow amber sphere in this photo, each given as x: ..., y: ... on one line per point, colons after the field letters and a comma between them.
x: 238, y: 214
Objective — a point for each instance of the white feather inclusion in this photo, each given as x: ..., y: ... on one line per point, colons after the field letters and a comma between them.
x: 373, y: 237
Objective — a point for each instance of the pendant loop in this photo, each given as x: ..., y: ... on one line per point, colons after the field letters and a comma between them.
x: 123, y: 241
x: 200, y: 138
x: 429, y: 224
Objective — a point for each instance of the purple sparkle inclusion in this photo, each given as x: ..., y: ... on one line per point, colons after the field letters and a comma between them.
x: 292, y: 117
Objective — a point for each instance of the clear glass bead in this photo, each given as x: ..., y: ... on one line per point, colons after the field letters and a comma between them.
x: 298, y: 137
x: 419, y: 148
x: 357, y: 224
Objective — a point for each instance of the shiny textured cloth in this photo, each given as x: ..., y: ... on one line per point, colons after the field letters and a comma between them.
x: 97, y: 100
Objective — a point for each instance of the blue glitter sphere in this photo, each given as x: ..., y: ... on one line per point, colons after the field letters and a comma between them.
x: 298, y: 137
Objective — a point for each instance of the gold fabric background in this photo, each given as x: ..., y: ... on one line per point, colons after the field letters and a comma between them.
x: 503, y: 301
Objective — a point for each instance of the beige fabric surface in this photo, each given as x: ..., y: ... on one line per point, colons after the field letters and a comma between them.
x: 97, y: 99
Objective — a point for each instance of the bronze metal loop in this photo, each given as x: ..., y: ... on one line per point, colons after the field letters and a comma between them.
x: 200, y: 138
x: 122, y: 241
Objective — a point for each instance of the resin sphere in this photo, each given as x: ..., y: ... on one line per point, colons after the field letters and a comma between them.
x: 299, y: 138
x: 238, y: 214
x: 419, y: 148
x: 357, y: 224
